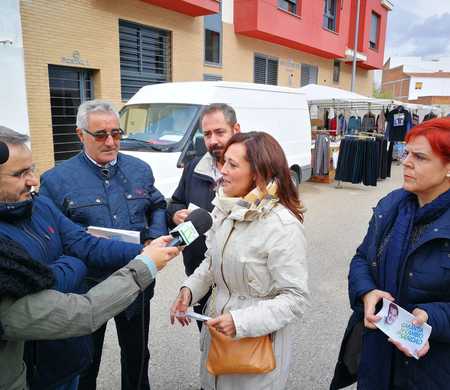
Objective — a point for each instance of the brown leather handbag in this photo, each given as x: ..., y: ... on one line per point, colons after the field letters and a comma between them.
x: 250, y: 355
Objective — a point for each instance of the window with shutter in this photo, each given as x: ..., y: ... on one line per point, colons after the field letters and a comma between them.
x: 145, y: 57
x: 374, y: 28
x: 288, y: 5
x: 336, y: 71
x: 309, y: 74
x: 265, y: 70
x: 329, y: 14
x: 212, y: 77
x: 69, y: 87
x: 213, y: 38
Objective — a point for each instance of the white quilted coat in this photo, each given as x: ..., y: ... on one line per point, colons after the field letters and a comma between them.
x: 257, y: 259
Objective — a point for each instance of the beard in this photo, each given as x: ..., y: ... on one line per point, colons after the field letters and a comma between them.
x: 7, y: 197
x: 216, y: 153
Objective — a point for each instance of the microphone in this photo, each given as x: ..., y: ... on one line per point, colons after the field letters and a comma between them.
x: 4, y: 152
x: 196, y: 223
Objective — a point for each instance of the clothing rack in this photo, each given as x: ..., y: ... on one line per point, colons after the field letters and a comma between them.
x: 360, y: 136
x: 370, y: 134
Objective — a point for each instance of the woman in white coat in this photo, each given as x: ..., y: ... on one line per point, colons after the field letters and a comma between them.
x: 256, y: 259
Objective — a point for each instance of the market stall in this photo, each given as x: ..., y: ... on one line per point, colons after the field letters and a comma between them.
x: 355, y: 137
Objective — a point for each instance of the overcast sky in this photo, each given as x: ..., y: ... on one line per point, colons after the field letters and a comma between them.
x: 419, y: 28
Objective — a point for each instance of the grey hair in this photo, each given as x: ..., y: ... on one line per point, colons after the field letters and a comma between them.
x: 228, y: 112
x: 12, y: 137
x: 91, y: 106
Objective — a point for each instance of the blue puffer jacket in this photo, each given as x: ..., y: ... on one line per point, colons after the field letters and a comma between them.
x: 124, y: 199
x: 425, y: 284
x: 50, y: 237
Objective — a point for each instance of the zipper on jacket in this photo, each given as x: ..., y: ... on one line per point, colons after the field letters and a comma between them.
x: 221, y: 270
x: 36, y: 238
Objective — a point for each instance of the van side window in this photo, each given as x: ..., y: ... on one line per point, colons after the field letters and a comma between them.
x: 136, y: 121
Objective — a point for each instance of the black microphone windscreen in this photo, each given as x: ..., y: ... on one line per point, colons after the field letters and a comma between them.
x: 201, y: 220
x: 4, y: 152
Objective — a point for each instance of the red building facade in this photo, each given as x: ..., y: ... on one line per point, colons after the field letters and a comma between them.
x: 310, y: 29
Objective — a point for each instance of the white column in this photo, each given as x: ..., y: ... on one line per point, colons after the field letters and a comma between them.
x: 13, y: 96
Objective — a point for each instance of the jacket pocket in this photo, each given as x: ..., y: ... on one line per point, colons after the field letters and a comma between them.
x: 258, y: 278
x: 137, y: 207
x: 88, y: 209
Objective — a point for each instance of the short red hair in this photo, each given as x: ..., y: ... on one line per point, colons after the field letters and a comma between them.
x: 437, y: 132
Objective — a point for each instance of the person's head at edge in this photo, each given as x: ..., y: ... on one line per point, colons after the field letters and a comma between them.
x: 218, y: 122
x: 17, y: 174
x: 255, y: 159
x: 426, y: 163
x: 98, y: 129
x: 392, y: 314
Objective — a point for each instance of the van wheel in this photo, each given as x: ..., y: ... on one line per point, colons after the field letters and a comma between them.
x: 295, y: 178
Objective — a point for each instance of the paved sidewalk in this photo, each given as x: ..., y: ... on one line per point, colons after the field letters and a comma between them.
x: 336, y: 221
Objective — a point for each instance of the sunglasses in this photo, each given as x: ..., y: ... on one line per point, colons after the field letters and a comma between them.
x: 102, y: 135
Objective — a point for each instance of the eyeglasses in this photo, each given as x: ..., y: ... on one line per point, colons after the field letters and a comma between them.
x: 102, y: 135
x: 27, y: 173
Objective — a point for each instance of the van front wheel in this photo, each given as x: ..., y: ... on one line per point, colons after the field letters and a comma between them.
x: 295, y: 178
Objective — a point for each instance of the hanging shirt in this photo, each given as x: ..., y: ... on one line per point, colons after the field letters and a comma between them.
x: 399, y: 122
x: 332, y: 124
x: 368, y: 122
x: 354, y: 124
x: 314, y: 111
x: 381, y: 122
x: 341, y: 127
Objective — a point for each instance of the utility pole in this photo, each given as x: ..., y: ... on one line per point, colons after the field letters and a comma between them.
x: 355, y: 46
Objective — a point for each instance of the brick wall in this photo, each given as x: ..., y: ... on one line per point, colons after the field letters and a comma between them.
x: 396, y: 83
x: 53, y: 30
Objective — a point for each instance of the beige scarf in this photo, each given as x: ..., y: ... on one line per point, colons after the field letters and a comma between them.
x: 255, y: 203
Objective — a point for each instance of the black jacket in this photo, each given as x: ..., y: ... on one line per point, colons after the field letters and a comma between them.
x: 196, y: 187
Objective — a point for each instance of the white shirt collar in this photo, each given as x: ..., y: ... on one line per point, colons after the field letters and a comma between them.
x: 110, y: 164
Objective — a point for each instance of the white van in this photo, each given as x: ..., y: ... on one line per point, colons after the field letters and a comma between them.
x: 162, y: 124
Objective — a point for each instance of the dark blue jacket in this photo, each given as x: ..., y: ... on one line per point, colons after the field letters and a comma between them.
x: 126, y: 198
x: 196, y: 187
x: 424, y: 283
x: 50, y: 237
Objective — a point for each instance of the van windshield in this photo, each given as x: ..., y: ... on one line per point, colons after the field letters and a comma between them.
x: 163, y: 124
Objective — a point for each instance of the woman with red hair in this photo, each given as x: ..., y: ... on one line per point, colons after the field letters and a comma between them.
x: 405, y: 257
x: 256, y: 259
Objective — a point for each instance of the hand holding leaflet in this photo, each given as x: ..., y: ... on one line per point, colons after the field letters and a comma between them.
x: 397, y: 323
x: 193, y: 315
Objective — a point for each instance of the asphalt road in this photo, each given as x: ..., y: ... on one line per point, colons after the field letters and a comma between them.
x: 336, y: 221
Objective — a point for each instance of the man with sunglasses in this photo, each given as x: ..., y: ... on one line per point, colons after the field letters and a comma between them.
x: 103, y: 187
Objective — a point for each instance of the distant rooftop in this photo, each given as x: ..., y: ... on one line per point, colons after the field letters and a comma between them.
x: 420, y: 65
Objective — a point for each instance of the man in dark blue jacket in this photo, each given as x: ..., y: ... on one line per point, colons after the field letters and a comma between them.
x: 198, y: 182
x: 48, y: 236
x: 103, y: 187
